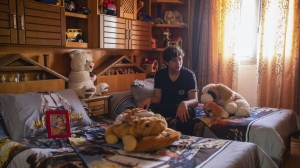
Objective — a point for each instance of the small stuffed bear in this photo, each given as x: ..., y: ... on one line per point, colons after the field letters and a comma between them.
x: 142, y: 134
x: 211, y: 109
x: 232, y: 102
x: 81, y: 77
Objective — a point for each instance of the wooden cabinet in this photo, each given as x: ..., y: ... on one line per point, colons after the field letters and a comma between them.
x: 32, y: 23
x: 122, y: 33
x: 99, y: 105
x: 78, y: 21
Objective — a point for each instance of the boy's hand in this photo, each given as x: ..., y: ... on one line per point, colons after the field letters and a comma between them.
x: 145, y: 103
x: 182, y: 112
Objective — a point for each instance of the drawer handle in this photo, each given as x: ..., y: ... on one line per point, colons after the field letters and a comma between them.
x: 96, y: 108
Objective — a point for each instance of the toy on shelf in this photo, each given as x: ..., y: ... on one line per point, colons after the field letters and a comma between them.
x: 166, y: 38
x: 108, y: 7
x: 3, y: 80
x: 169, y: 17
x: 176, y: 41
x: 150, y: 65
x: 71, y: 6
x: 74, y: 35
x: 153, y: 41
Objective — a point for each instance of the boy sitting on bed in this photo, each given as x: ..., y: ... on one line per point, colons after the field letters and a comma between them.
x: 175, y: 91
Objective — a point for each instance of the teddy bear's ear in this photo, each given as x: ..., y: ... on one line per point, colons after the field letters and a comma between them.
x: 225, y: 92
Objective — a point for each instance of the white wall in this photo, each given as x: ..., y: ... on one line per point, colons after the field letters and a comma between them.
x: 247, y: 83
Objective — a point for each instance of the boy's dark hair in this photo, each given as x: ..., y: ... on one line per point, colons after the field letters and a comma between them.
x: 172, y: 52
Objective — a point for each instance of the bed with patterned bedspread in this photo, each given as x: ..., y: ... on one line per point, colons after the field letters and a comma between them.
x: 87, y: 148
x: 269, y: 128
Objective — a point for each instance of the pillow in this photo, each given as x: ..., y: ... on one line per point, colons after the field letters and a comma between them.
x: 23, y: 114
x: 142, y: 89
x: 120, y: 102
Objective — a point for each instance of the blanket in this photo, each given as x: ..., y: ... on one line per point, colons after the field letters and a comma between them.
x: 234, y: 128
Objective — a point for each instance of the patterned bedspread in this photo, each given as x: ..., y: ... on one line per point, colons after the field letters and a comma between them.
x: 87, y: 148
x: 234, y: 128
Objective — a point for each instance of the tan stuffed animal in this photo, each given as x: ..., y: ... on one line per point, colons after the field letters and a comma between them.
x: 142, y: 134
x: 232, y: 102
x: 211, y: 109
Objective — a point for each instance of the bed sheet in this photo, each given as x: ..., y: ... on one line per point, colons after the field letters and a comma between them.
x: 271, y: 132
x: 87, y: 148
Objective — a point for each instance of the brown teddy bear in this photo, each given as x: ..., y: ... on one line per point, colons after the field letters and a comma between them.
x: 222, y: 95
x: 142, y: 134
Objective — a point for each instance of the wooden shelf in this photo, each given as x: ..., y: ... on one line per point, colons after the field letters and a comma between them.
x: 158, y: 49
x: 169, y: 1
x: 76, y: 45
x: 169, y: 25
x: 76, y: 15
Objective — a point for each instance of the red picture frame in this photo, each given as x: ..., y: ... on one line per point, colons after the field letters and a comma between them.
x: 58, y: 124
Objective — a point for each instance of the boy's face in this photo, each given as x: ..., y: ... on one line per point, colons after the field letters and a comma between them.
x: 175, y: 64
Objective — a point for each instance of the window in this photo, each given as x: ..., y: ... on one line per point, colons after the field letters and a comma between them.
x: 246, y: 47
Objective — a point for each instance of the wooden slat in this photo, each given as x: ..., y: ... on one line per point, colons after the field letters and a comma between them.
x: 43, y: 35
x: 44, y: 28
x: 4, y: 15
x: 41, y: 6
x: 114, y: 35
x: 114, y: 25
x: 42, y: 21
x: 4, y: 2
x: 114, y: 30
x: 113, y: 19
x: 38, y: 13
x: 43, y: 42
x: 117, y: 46
x: 4, y: 7
x: 4, y: 39
x: 140, y: 33
x: 138, y: 42
x: 4, y: 32
x: 4, y: 24
x: 17, y: 68
x: 114, y: 41
x: 31, y: 86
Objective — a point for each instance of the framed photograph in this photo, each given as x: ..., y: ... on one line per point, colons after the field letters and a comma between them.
x: 58, y: 124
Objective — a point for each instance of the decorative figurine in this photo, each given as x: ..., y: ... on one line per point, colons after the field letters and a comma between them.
x: 153, y: 42
x: 44, y: 76
x: 3, y: 80
x: 166, y: 38
x: 17, y: 77
x: 24, y: 77
x: 37, y: 77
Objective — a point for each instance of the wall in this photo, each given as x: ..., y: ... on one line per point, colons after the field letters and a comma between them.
x: 247, y: 83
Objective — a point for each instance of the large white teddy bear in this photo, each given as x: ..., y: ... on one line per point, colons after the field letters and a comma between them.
x: 232, y: 102
x: 82, y: 77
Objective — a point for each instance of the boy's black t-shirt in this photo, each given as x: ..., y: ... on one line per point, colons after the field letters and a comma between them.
x: 175, y: 92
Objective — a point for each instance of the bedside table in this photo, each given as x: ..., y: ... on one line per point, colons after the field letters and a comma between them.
x: 99, y: 105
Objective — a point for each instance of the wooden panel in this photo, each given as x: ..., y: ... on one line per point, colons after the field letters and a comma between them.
x: 114, y: 41
x: 114, y: 35
x: 118, y: 83
x: 38, y: 13
x: 113, y: 19
x: 43, y: 35
x: 116, y: 46
x: 41, y: 6
x: 4, y: 24
x: 114, y: 30
x: 31, y: 86
x: 43, y: 42
x: 4, y: 15
x: 114, y: 24
x: 45, y: 28
x: 44, y: 21
x: 4, y: 39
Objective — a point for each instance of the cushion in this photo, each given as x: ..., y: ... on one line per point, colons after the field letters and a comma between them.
x: 23, y: 115
x: 142, y: 89
x: 121, y: 101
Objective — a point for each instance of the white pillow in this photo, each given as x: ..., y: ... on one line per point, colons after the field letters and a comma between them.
x: 142, y: 89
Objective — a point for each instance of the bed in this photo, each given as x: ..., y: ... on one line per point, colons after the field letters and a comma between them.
x: 269, y: 128
x: 24, y: 141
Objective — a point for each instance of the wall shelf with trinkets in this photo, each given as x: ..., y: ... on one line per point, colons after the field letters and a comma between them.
x: 118, y: 71
x: 19, y: 74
